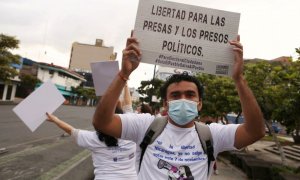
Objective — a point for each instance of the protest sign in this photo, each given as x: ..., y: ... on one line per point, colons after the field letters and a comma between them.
x: 186, y: 37
x: 32, y: 110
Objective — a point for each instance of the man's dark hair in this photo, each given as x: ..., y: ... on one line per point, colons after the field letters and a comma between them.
x: 109, y: 140
x: 145, y: 108
x: 176, y: 78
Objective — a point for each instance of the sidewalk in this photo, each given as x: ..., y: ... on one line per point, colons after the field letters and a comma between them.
x: 258, y: 149
x: 53, y: 158
x: 228, y: 171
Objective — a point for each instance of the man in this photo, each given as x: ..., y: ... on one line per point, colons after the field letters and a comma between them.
x: 178, y: 145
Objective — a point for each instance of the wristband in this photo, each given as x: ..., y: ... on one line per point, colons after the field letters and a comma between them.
x: 122, y: 77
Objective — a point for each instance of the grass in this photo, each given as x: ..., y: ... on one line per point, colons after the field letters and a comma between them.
x: 281, y: 140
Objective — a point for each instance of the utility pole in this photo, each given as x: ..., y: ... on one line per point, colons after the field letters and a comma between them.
x: 154, y: 71
x: 152, y: 88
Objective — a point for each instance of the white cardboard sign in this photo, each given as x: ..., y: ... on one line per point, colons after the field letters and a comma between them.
x: 32, y: 110
x: 103, y: 74
x: 186, y: 37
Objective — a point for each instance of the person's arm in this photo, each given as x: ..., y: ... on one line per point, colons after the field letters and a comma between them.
x: 253, y: 128
x: 61, y: 124
x: 104, y: 118
x: 127, y: 101
x: 127, y: 98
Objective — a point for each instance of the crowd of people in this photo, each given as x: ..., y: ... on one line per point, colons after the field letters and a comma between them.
x: 117, y: 144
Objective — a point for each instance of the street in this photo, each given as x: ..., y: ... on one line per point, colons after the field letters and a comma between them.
x: 13, y: 131
x: 46, y: 153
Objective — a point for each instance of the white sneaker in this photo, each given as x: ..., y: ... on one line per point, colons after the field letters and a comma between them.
x: 216, y: 172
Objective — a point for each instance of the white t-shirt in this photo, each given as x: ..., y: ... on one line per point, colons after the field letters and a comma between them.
x: 177, y: 153
x: 127, y: 109
x: 116, y: 163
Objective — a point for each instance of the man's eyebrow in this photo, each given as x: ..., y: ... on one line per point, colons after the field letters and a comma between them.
x: 175, y: 92
x: 183, y: 92
x: 190, y: 91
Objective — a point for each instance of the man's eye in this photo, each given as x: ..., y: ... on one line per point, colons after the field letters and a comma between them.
x: 175, y: 95
x: 190, y: 95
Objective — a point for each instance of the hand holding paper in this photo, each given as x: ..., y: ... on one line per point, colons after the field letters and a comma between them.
x: 32, y: 110
x: 131, y: 57
x: 238, y: 56
x: 103, y: 73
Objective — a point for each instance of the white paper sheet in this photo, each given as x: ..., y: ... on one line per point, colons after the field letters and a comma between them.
x: 32, y: 110
x: 103, y: 73
x: 186, y: 37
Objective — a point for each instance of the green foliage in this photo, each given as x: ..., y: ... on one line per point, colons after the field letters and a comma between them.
x: 29, y: 81
x: 220, y: 96
x: 28, y: 84
x: 276, y: 87
x: 148, y: 89
x: 7, y: 58
x: 289, y: 97
x: 270, y: 138
x: 258, y: 77
x: 298, y: 51
x: 284, y: 169
x: 85, y: 93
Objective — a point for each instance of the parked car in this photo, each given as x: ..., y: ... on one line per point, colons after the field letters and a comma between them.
x: 232, y: 119
x: 276, y: 127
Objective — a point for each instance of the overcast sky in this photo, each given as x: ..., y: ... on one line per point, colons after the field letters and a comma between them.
x: 47, y: 28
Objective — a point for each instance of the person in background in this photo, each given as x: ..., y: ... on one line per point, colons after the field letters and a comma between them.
x: 112, y: 158
x: 126, y: 103
x: 144, y: 108
x: 157, y: 112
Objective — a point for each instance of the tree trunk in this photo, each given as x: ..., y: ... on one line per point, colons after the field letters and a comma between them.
x: 269, y: 128
x: 282, y: 155
x: 296, y: 136
x: 237, y: 118
x: 296, y: 139
x: 226, y: 120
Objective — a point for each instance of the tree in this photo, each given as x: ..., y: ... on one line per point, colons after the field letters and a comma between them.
x: 298, y: 51
x: 84, y: 94
x: 28, y: 83
x: 289, y: 99
x: 259, y: 80
x: 220, y: 96
x: 7, y: 58
x: 264, y: 78
x: 149, y: 89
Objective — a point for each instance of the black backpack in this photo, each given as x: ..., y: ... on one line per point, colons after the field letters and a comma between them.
x: 159, y: 124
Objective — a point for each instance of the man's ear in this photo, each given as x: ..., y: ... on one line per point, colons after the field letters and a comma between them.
x: 165, y: 104
x: 199, y: 106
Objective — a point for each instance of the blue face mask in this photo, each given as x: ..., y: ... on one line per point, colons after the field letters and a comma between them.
x: 182, y: 111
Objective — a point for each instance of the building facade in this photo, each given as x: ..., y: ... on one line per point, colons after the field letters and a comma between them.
x: 63, y: 78
x: 8, y: 89
x: 84, y: 54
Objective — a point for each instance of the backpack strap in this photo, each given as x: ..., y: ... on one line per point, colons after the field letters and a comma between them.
x: 153, y: 131
x: 206, y: 141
